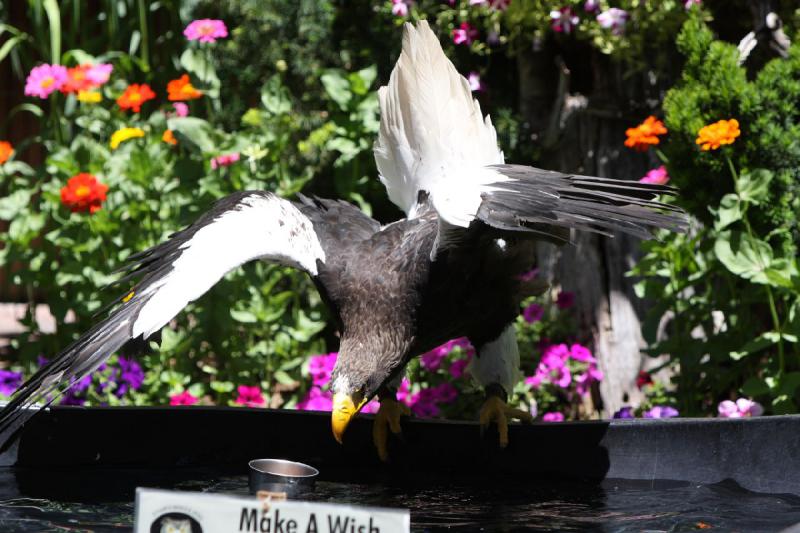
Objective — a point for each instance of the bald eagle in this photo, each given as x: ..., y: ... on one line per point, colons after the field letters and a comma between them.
x: 451, y: 268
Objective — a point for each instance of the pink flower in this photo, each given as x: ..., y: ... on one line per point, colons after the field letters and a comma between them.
x: 432, y: 360
x: 478, y: 2
x: 444, y: 393
x: 45, y: 79
x: 99, y: 74
x: 372, y: 407
x: 464, y: 34
x: 181, y: 109
x: 499, y: 5
x: 584, y: 381
x: 250, y: 396
x: 316, y: 400
x: 553, y: 416
x: 400, y: 7
x: 563, y: 20
x: 458, y: 367
x: 739, y: 409
x: 553, y: 367
x: 565, y: 299
x: 614, y: 18
x: 475, y: 81
x: 581, y: 353
x: 205, y: 30
x: 320, y: 368
x: 661, y: 411
x: 689, y: 3
x: 656, y: 176
x: 591, y: 5
x: 183, y: 398
x: 404, y: 392
x: 224, y: 160
x: 533, y: 313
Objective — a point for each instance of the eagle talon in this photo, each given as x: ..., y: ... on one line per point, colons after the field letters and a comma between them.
x: 387, y: 417
x: 496, y: 410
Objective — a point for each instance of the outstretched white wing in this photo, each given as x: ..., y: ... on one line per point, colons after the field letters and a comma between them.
x: 433, y: 136
x: 239, y: 228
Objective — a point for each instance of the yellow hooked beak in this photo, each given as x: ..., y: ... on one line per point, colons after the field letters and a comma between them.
x: 344, y: 409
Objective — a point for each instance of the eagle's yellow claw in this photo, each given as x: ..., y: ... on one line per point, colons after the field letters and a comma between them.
x: 496, y: 410
x: 387, y: 417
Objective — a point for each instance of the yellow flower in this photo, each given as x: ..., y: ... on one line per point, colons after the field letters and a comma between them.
x: 89, y: 97
x: 715, y: 135
x: 124, y: 134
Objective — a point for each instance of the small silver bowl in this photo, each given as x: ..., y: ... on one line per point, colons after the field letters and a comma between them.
x: 281, y: 476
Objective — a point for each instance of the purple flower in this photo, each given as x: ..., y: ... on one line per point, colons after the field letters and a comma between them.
x: 131, y: 376
x: 581, y: 353
x: 41, y: 360
x: 533, y: 313
x: 444, y: 393
x: 687, y: 4
x: 433, y: 360
x: 591, y: 6
x: 458, y: 367
x: 71, y: 398
x: 400, y: 7
x: 656, y: 176
x: 565, y: 299
x: 584, y: 381
x: 613, y: 18
x: 624, y: 412
x: 320, y: 368
x: 474, y: 80
x: 563, y: 20
x: 9, y: 381
x: 464, y: 34
x: 553, y: 416
x: 316, y: 400
x: 739, y: 409
x: 661, y: 411
x: 552, y: 367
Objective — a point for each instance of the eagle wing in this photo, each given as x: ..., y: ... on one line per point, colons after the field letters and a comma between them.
x: 237, y: 229
x: 435, y: 145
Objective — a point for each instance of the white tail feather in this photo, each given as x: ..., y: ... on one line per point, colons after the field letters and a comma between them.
x: 433, y: 136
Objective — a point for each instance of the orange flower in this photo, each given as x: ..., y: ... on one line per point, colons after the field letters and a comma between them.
x: 77, y: 80
x: 6, y: 151
x: 182, y: 89
x: 715, y: 135
x: 83, y: 193
x: 134, y: 96
x: 645, y: 134
x: 169, y: 137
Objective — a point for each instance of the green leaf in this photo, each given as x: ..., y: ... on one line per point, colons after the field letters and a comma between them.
x: 745, y: 256
x: 197, y: 64
x: 338, y: 87
x: 761, y: 342
x: 54, y: 18
x: 243, y: 316
x: 221, y: 386
x: 754, y: 187
x: 197, y: 131
x: 755, y: 387
x: 283, y: 378
x: 9, y: 45
x: 275, y: 97
x: 14, y: 204
x: 729, y: 212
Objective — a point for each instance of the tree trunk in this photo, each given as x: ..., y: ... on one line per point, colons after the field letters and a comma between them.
x: 585, y: 134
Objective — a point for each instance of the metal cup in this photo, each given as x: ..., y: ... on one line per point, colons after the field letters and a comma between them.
x: 281, y: 476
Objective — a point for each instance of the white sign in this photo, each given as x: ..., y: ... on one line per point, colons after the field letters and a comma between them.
x: 162, y: 511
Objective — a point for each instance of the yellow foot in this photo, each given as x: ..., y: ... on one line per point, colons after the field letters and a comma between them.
x: 496, y: 410
x: 387, y: 419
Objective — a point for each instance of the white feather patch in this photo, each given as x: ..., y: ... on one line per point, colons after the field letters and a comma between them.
x: 498, y: 361
x: 259, y: 226
x: 433, y: 136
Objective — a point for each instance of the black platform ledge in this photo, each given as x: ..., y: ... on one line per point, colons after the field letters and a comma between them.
x: 760, y: 454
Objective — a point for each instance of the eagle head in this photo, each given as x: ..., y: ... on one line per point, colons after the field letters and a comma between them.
x: 356, y: 379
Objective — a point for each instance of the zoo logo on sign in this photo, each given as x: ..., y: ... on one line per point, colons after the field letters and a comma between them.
x: 175, y: 523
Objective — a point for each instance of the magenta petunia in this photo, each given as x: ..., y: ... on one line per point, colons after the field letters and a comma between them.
x: 205, y: 30
x: 563, y: 20
x: 316, y: 400
x: 250, y: 396
x: 464, y: 34
x: 44, y: 80
x: 656, y: 176
x: 661, y: 411
x: 591, y: 5
x: 475, y: 83
x: 320, y: 368
x: 554, y: 416
x: 183, y: 398
x: 458, y: 368
x: 614, y: 19
x: 581, y: 353
x: 400, y: 7
x: 741, y: 408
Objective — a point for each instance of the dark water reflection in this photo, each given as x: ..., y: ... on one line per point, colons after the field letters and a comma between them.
x: 68, y: 501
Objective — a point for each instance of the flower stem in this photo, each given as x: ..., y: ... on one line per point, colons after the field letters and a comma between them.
x: 662, y: 156
x: 145, y: 51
